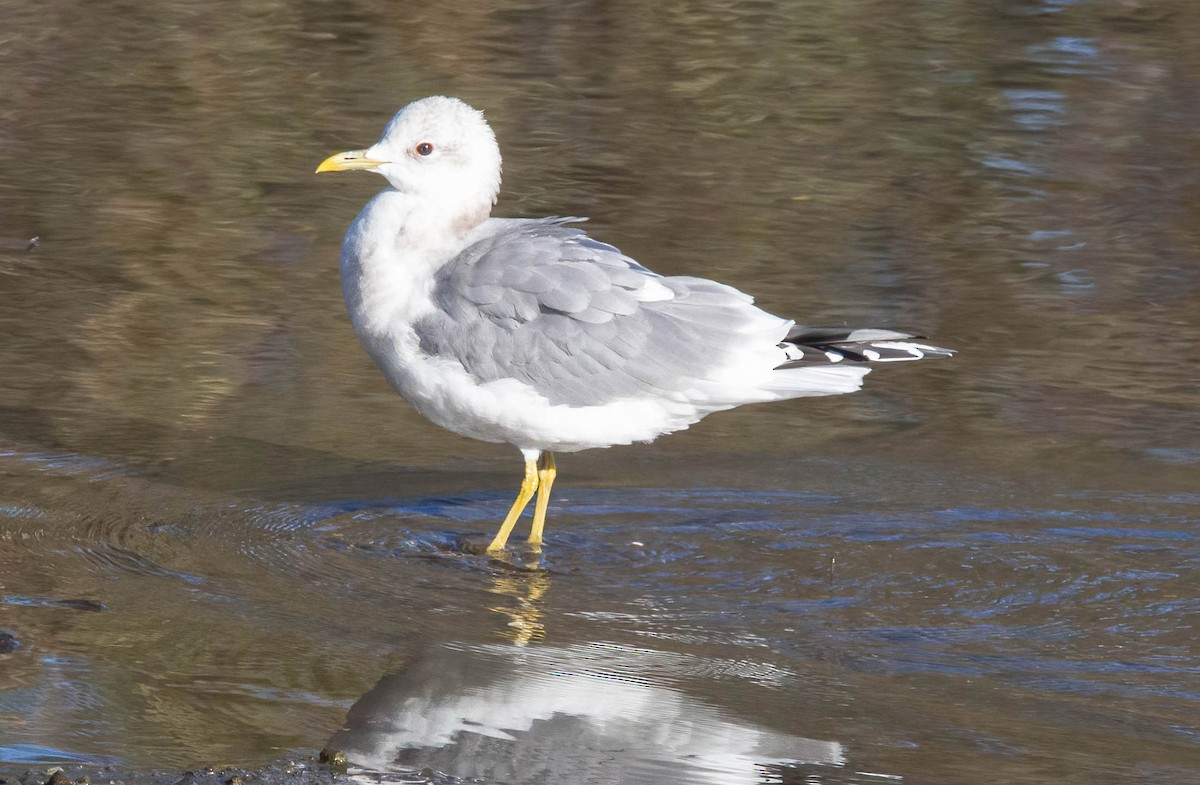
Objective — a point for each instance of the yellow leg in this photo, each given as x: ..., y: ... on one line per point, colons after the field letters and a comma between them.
x: 528, y: 486
x: 546, y: 474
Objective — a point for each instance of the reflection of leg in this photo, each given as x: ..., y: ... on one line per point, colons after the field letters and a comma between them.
x: 528, y: 486
x: 546, y: 475
x: 523, y: 617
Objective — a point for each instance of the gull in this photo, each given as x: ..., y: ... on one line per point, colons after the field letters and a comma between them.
x: 531, y: 333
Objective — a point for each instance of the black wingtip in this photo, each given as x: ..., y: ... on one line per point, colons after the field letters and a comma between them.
x: 808, y: 346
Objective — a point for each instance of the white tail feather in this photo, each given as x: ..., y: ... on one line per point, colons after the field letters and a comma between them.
x: 818, y: 380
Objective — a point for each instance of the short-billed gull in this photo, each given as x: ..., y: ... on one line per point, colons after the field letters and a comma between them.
x: 527, y: 331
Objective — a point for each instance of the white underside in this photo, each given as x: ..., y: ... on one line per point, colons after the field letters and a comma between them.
x: 387, y: 289
x: 510, y: 411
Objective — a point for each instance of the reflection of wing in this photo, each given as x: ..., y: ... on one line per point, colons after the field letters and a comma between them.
x: 583, y: 324
x: 581, y: 714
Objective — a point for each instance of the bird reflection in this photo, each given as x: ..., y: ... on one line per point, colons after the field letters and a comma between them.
x: 535, y: 714
x: 524, y: 614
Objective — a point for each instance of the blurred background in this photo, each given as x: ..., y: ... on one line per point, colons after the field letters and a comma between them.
x: 219, y: 528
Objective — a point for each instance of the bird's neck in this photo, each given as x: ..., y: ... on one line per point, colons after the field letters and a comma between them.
x: 434, y: 227
x: 389, y: 258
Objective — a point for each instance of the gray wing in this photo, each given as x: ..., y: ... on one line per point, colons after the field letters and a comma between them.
x: 576, y: 319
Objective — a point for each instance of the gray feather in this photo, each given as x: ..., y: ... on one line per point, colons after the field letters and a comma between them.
x: 567, y: 298
x: 545, y: 304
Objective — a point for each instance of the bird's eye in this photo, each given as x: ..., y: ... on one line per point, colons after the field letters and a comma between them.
x: 424, y: 148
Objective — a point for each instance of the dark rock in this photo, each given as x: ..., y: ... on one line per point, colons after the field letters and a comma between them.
x: 332, y: 757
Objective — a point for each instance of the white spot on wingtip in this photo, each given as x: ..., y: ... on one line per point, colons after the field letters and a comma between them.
x: 653, y: 292
x: 917, y: 350
x: 835, y: 357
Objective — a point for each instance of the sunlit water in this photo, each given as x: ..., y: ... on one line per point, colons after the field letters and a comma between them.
x: 223, y: 539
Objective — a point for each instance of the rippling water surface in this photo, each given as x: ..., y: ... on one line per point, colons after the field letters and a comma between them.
x: 223, y: 539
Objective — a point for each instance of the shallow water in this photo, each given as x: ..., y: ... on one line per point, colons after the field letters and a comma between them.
x: 222, y: 538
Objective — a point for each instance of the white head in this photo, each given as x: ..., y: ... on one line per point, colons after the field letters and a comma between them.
x: 438, y: 150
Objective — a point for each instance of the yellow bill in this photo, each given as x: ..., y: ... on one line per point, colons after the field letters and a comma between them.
x: 344, y: 162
